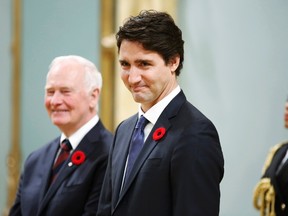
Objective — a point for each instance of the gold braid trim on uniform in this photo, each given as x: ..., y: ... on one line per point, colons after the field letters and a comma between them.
x: 264, y: 197
x: 271, y: 155
x: 264, y: 192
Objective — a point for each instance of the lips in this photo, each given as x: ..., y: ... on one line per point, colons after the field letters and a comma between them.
x: 59, y: 111
x: 137, y: 88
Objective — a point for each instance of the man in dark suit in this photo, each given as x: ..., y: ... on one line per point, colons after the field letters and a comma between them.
x: 70, y: 187
x: 180, y: 166
x: 271, y: 193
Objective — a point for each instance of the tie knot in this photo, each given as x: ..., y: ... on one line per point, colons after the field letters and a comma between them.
x: 66, y: 145
x: 142, y: 122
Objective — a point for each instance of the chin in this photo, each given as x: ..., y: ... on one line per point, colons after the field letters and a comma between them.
x: 58, y: 123
x: 137, y: 99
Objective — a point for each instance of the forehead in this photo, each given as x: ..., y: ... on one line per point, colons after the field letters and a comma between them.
x: 65, y: 75
x: 134, y: 51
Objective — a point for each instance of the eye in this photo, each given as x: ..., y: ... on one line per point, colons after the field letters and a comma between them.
x: 50, y: 92
x: 124, y: 64
x: 65, y: 91
x: 144, y: 64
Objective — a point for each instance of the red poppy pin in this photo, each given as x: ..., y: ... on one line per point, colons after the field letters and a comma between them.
x: 78, y: 157
x: 159, y: 133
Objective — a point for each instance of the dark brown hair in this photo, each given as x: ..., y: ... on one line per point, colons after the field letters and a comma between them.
x: 155, y: 31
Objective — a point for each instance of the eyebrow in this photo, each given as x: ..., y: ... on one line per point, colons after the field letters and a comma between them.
x: 143, y: 60
x: 137, y: 60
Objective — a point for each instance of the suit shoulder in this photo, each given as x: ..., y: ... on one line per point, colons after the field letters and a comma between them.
x: 271, y: 154
x: 107, y: 138
x: 42, y: 151
x: 191, y: 112
x: 127, y: 121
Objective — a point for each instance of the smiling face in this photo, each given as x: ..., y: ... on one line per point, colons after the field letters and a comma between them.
x: 286, y: 115
x: 67, y: 101
x: 145, y: 73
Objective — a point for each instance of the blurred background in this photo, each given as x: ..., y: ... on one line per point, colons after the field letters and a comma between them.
x: 235, y: 71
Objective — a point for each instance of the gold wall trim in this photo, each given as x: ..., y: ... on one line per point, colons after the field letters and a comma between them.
x: 14, y: 155
x: 107, y: 63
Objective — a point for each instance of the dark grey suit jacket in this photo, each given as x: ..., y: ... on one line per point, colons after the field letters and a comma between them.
x: 75, y: 191
x: 178, y: 175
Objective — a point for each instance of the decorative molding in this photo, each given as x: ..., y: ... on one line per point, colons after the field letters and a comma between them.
x: 107, y: 63
x: 14, y: 155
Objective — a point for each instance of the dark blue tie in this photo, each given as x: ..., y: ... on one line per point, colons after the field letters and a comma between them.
x: 136, y: 144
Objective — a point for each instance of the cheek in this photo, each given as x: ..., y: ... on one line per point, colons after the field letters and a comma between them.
x: 124, y: 77
x: 47, y: 103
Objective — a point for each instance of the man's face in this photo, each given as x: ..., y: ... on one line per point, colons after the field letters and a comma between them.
x: 286, y: 115
x: 68, y: 103
x: 145, y: 73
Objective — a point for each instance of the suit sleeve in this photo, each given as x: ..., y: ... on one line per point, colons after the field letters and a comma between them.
x: 16, y: 207
x: 93, y: 197
x: 197, y: 167
x: 104, y: 208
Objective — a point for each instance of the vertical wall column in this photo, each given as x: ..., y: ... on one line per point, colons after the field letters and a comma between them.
x: 14, y: 156
x: 107, y: 63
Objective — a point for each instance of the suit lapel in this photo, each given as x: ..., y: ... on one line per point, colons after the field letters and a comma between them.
x: 65, y: 171
x: 86, y: 145
x: 148, y: 147
x: 120, y: 154
x: 47, y: 164
x: 163, y: 121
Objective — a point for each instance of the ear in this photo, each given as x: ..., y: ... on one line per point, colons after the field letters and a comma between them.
x: 174, y: 63
x: 94, y: 97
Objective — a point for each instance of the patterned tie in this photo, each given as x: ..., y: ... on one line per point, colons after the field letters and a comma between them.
x: 62, y: 157
x: 136, y: 144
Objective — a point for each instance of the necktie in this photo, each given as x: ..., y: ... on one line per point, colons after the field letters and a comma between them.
x: 136, y: 144
x: 62, y: 157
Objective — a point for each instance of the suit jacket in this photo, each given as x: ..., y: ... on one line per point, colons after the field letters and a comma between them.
x: 77, y: 188
x: 177, y: 175
x: 279, y: 179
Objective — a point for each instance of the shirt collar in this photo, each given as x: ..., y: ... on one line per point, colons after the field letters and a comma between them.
x: 155, y: 111
x: 76, y: 137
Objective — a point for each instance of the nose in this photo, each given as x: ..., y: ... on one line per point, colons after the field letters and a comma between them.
x: 134, y: 75
x: 56, y: 98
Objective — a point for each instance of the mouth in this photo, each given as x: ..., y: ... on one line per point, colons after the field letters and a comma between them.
x: 137, y: 88
x: 59, y: 111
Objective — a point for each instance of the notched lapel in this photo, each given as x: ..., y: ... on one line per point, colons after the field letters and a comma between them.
x: 164, y: 120
x: 86, y: 145
x: 148, y: 147
x: 120, y: 154
x: 47, y: 166
x: 65, y: 172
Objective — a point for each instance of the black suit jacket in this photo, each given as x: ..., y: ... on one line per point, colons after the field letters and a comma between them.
x: 178, y: 175
x: 75, y: 191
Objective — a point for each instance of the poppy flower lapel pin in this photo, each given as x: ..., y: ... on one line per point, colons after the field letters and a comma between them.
x: 159, y: 133
x: 78, y: 157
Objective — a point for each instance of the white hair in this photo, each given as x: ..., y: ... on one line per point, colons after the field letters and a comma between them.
x: 93, y: 78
